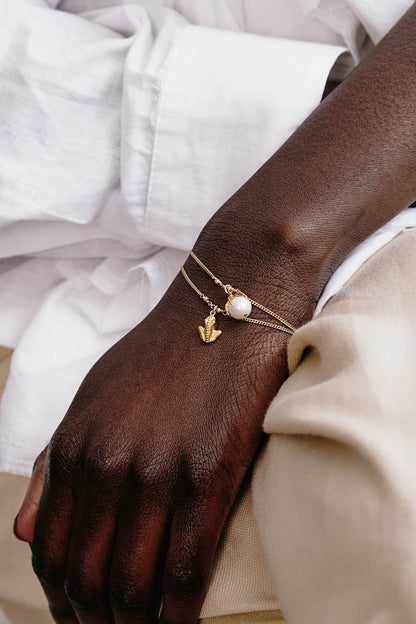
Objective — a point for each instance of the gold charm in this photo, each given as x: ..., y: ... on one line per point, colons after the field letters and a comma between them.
x: 208, y: 333
x: 239, y: 306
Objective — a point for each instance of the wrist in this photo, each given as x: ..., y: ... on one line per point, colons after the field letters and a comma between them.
x: 245, y: 354
x: 272, y: 261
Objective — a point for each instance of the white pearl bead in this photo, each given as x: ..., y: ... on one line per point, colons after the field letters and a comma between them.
x: 239, y: 307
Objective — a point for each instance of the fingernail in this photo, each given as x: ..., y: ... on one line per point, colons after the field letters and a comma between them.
x: 16, y: 534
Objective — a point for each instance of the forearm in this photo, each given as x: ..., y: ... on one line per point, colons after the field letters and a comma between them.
x: 348, y: 169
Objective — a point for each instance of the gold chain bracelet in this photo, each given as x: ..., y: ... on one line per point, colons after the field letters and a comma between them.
x: 238, y: 306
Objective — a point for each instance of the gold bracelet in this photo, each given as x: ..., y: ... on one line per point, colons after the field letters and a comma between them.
x: 238, y: 306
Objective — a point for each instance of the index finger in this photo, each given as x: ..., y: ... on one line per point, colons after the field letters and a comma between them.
x: 51, y: 541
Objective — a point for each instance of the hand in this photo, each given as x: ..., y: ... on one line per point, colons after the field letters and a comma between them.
x: 142, y: 472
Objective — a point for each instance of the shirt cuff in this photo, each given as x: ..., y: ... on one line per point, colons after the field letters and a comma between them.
x: 228, y: 101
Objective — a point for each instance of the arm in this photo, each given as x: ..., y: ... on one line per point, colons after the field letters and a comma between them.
x: 157, y: 441
x: 347, y: 170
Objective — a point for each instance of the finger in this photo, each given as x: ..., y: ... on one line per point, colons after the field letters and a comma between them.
x: 89, y: 556
x: 51, y: 539
x: 140, y: 549
x: 24, y: 524
x: 193, y: 540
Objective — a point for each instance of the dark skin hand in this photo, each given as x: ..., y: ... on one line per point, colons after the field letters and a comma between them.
x: 139, y: 478
x: 140, y: 481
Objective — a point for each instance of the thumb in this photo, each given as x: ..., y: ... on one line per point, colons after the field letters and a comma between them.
x: 24, y: 524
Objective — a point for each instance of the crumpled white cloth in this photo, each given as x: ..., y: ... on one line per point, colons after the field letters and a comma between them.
x: 125, y: 125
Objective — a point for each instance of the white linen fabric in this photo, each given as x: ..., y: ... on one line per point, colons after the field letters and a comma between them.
x: 125, y: 125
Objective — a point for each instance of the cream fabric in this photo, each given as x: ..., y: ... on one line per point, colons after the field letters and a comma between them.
x: 21, y: 597
x: 335, y: 492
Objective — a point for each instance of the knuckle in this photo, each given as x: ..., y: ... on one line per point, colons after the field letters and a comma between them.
x: 62, y: 456
x: 127, y: 598
x: 104, y: 465
x: 154, y: 479
x: 192, y: 483
x: 184, y: 582
x: 49, y: 572
x: 93, y: 467
x: 81, y: 593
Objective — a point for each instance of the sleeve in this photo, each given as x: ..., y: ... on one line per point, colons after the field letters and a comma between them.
x: 78, y: 103
x: 376, y: 17
x: 131, y: 124
x: 230, y: 100
x: 379, y: 16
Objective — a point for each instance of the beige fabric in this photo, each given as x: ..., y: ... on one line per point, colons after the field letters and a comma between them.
x: 241, y: 582
x: 335, y: 487
x: 5, y: 355
x: 335, y: 491
x: 21, y: 598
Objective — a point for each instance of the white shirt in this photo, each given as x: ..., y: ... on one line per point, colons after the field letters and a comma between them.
x: 124, y: 127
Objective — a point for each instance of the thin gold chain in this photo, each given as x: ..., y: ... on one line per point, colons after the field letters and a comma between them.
x: 229, y: 289
x: 286, y: 327
x: 206, y: 269
x: 201, y: 294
